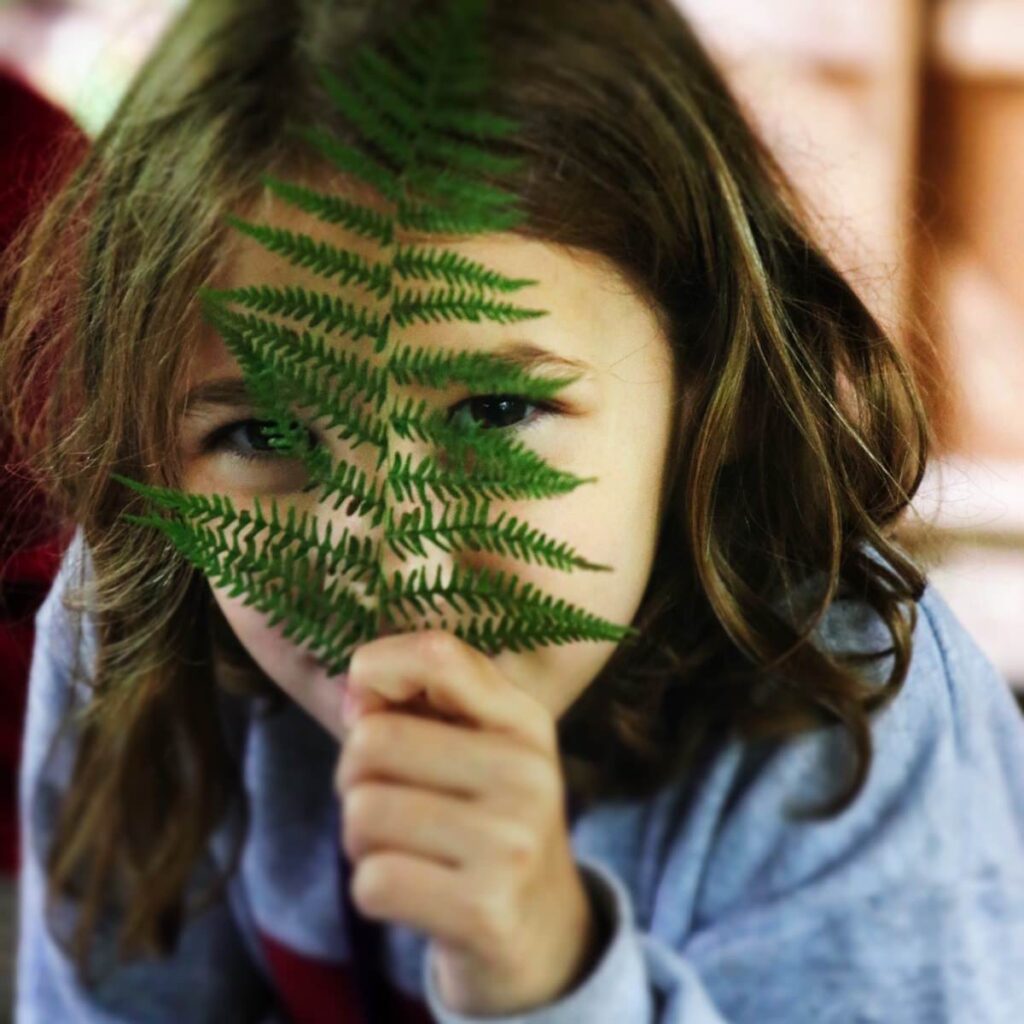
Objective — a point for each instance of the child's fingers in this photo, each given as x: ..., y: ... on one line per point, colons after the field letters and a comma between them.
x: 447, y: 829
x: 456, y: 679
x: 429, y: 897
x: 358, y: 702
x: 452, y: 758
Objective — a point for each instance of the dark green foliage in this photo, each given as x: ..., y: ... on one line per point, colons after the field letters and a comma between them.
x: 417, y: 113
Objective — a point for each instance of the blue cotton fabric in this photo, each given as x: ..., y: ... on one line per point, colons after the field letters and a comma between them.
x: 907, y: 908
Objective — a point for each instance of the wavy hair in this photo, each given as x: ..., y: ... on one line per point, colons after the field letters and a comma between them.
x: 801, y: 438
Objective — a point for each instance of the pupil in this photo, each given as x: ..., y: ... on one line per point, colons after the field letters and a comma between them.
x: 505, y: 402
x: 256, y: 433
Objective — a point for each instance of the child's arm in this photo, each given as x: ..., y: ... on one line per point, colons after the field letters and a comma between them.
x: 211, y: 977
x: 637, y: 979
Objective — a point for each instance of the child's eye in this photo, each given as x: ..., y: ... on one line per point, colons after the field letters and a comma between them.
x: 248, y: 430
x: 502, y: 409
x: 244, y: 439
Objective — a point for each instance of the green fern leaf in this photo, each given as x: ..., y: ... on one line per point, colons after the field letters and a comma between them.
x: 334, y: 210
x: 438, y: 304
x: 335, y: 314
x: 422, y: 148
x: 340, y: 265
x: 418, y: 263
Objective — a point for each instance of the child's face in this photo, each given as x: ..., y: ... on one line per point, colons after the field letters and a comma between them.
x: 616, y: 425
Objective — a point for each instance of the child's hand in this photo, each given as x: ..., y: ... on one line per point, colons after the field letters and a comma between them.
x: 457, y: 826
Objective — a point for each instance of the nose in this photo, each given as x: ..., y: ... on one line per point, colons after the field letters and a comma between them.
x: 400, y: 559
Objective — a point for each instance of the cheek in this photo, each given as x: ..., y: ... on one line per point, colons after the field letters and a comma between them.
x: 567, y: 670
x: 289, y: 666
x: 267, y: 645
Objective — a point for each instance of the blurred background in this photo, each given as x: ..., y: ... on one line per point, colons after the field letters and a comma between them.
x: 902, y: 121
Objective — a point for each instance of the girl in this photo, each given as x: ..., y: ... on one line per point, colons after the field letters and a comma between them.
x: 799, y: 798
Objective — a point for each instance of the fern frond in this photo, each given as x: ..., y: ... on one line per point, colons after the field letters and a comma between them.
x: 271, y: 395
x: 378, y: 75
x: 468, y: 529
x: 444, y: 185
x: 328, y: 261
x: 538, y: 480
x: 446, y: 52
x: 509, y: 633
x: 421, y: 133
x: 462, y: 156
x: 296, y: 303
x: 353, y: 161
x: 397, y: 141
x: 476, y: 370
x: 255, y: 345
x: 301, y: 535
x: 347, y: 369
x: 352, y: 216
x: 525, y: 614
x: 438, y: 304
x: 428, y: 219
x: 289, y: 589
x: 473, y: 123
x: 419, y: 263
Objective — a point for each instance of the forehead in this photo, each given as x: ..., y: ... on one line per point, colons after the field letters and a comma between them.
x: 592, y: 315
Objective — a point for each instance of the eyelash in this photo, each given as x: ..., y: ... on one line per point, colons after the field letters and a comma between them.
x: 218, y: 439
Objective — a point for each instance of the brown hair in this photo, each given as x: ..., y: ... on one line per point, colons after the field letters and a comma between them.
x: 634, y: 150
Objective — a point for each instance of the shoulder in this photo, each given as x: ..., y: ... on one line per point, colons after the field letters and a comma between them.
x: 49, y: 734
x: 943, y: 802
x: 64, y: 637
x: 908, y: 904
x: 74, y: 570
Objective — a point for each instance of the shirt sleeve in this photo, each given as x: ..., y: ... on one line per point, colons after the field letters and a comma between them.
x: 637, y: 978
x: 210, y: 977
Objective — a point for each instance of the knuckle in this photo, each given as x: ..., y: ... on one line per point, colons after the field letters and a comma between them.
x: 350, y: 765
x: 356, y: 743
x: 365, y: 739
x: 355, y: 670
x: 361, y: 809
x: 370, y: 885
x: 505, y: 769
x: 489, y: 919
x: 533, y: 777
x: 351, y: 845
x: 518, y: 842
x: 541, y: 724
x: 435, y: 645
x: 549, y: 731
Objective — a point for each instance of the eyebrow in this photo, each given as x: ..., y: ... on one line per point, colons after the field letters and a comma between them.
x: 234, y: 392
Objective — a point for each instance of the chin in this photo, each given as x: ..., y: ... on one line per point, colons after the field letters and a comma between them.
x: 320, y: 695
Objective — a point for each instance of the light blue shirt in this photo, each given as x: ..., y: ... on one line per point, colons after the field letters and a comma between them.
x: 907, y: 908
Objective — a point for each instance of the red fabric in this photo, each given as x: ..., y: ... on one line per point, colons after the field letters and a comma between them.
x: 34, y: 134
x: 315, y: 991
x: 36, y: 137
